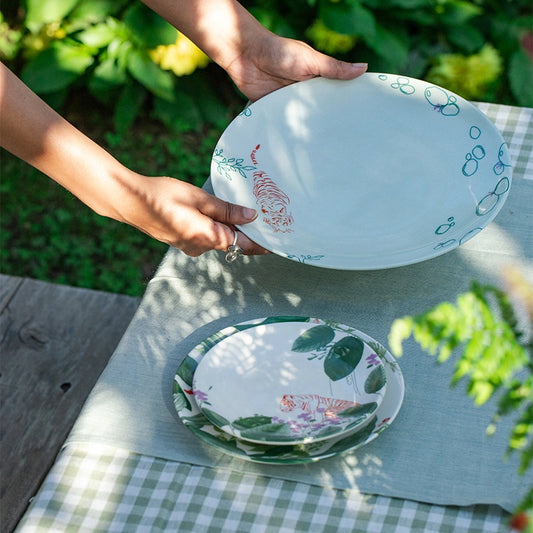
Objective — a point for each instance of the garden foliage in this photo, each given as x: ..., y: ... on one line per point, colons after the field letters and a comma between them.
x: 494, y: 355
x: 123, y: 52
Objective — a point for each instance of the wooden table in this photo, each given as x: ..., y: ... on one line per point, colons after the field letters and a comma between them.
x: 55, y: 341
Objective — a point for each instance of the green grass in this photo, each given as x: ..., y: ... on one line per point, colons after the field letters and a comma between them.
x: 46, y: 233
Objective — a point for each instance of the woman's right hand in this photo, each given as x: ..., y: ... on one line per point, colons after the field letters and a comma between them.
x: 184, y: 216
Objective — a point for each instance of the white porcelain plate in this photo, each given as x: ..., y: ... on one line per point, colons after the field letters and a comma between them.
x: 194, y: 419
x: 377, y: 172
x: 290, y: 382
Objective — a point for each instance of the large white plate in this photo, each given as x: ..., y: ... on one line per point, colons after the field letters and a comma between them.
x: 290, y: 382
x: 195, y: 420
x: 377, y: 172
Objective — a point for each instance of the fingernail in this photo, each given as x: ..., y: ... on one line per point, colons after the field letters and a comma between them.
x: 360, y: 65
x: 249, y: 213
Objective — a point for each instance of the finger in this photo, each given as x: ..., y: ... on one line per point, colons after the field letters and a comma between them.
x: 340, y: 70
x: 248, y: 246
x: 227, y: 212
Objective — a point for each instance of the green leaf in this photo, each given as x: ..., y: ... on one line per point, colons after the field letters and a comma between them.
x: 349, y: 19
x: 251, y: 422
x: 408, y: 4
x: 198, y: 420
x: 147, y: 73
x: 180, y: 399
x: 89, y: 12
x: 376, y: 380
x: 148, y: 27
x: 280, y: 319
x: 458, y: 12
x: 182, y: 114
x: 358, y: 410
x: 128, y: 106
x: 215, y: 418
x: 186, y: 370
x: 281, y: 432
x: 108, y: 75
x: 57, y: 67
x: 343, y: 357
x: 213, y: 110
x: 390, y: 46
x: 273, y: 320
x: 41, y: 12
x: 356, y: 438
x: 400, y: 330
x: 313, y: 339
x: 99, y: 35
x: 521, y: 78
x: 278, y: 432
x: 328, y: 430
x: 468, y: 38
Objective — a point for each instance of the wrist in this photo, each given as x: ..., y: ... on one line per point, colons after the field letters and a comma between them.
x: 223, y: 29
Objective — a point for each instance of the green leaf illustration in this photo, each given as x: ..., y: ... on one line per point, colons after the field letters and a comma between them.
x: 260, y: 427
x: 251, y: 422
x: 358, y: 410
x: 355, y: 438
x: 273, y: 320
x: 197, y: 421
x: 328, y: 430
x: 343, y: 357
x: 278, y: 432
x: 289, y: 453
x: 212, y: 341
x: 215, y: 418
x: 180, y: 399
x: 186, y: 370
x: 313, y: 339
x: 376, y: 380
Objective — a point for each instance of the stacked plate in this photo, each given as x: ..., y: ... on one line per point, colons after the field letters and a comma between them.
x: 288, y: 389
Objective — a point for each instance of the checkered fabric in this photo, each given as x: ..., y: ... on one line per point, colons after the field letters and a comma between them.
x: 516, y: 127
x: 97, y: 489
x: 107, y: 490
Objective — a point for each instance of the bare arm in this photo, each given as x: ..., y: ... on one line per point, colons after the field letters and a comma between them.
x: 257, y: 60
x: 167, y: 209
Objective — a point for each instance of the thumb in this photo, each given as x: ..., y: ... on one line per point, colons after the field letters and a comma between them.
x: 340, y: 70
x: 229, y: 213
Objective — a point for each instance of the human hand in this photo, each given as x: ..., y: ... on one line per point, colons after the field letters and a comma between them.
x: 271, y: 62
x: 184, y: 216
x: 257, y: 60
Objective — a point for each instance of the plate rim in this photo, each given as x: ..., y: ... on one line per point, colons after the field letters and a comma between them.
x: 229, y: 444
x: 228, y: 428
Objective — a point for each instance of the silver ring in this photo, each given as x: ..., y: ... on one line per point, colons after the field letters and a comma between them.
x: 233, y: 251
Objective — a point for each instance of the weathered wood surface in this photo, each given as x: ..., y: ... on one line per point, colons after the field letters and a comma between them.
x: 54, y: 343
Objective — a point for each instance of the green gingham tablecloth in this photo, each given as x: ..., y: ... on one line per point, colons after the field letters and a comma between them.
x: 106, y: 486
x: 101, y: 489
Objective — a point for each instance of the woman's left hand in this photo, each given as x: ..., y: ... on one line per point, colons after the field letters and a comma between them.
x: 272, y: 62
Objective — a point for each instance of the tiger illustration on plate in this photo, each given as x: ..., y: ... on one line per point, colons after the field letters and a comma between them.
x: 315, y: 405
x: 273, y: 203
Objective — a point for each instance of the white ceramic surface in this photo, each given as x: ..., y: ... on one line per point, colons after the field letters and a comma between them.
x: 290, y: 382
x: 377, y: 172
x: 193, y: 418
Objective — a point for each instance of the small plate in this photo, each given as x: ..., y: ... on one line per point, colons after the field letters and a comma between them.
x: 193, y: 418
x: 372, y: 173
x: 290, y: 382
